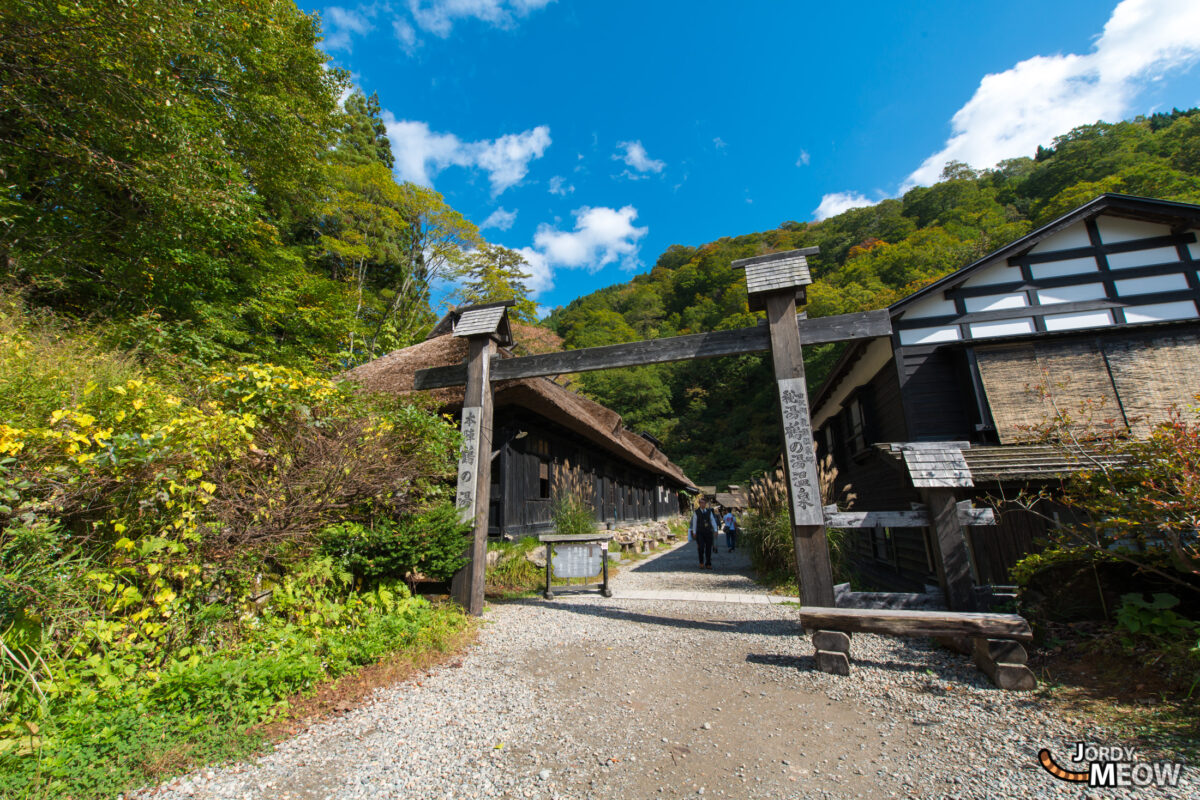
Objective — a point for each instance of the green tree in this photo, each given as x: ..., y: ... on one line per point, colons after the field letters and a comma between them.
x: 144, y: 145
x: 492, y: 273
x: 364, y: 234
x: 362, y: 138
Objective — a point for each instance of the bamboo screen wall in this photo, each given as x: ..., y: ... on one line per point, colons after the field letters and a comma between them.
x: 1128, y: 381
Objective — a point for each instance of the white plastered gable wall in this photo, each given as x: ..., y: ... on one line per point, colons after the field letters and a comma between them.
x: 1112, y: 229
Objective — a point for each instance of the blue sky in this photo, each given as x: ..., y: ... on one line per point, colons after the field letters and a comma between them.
x: 593, y: 135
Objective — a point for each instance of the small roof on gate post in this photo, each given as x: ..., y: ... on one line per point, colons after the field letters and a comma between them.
x: 488, y: 318
x: 775, y: 272
x: 936, y: 464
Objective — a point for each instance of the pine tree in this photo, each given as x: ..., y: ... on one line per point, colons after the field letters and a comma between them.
x: 493, y: 273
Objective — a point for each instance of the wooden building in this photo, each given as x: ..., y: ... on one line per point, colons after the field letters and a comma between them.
x: 547, y: 441
x: 1095, y: 315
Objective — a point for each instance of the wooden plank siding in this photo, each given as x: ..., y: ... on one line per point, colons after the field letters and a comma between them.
x: 529, y: 479
x: 874, y: 483
x: 937, y: 392
x: 1102, y: 304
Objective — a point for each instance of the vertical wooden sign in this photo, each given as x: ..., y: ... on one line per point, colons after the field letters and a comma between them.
x: 468, y: 461
x: 475, y: 472
x: 804, y: 490
x: 800, y: 463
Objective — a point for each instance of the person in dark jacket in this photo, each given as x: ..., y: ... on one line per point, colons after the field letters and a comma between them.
x: 703, y: 528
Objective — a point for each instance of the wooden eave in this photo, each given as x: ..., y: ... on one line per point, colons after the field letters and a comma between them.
x: 1024, y: 462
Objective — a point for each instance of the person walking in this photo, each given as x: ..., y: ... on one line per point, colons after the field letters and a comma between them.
x: 703, y: 528
x: 730, y: 525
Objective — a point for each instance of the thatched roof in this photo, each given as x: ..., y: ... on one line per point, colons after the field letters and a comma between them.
x: 394, y: 374
x: 733, y: 497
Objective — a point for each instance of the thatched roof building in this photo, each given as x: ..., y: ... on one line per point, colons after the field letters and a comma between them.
x: 542, y: 429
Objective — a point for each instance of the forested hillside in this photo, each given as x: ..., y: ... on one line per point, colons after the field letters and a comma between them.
x: 717, y: 418
x: 189, y: 177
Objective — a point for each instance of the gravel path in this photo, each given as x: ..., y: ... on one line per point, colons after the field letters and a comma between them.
x: 642, y: 698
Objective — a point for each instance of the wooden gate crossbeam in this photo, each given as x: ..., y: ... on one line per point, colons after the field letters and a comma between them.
x: 843, y: 327
x: 774, y: 283
x: 915, y: 518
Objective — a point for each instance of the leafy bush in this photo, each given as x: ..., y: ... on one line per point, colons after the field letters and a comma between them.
x: 201, y: 703
x: 1154, y: 618
x: 432, y: 543
x: 157, y: 587
x: 513, y: 572
x: 1136, y: 500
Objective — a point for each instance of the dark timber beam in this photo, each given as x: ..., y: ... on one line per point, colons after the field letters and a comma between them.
x: 773, y: 282
x: 481, y: 326
x: 843, y: 327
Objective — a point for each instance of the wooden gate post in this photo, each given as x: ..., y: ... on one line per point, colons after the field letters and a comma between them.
x: 774, y: 282
x: 936, y: 470
x: 482, y: 326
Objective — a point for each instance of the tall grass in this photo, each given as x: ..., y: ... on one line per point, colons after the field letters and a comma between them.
x: 767, y: 539
x: 572, y: 511
x: 514, y: 572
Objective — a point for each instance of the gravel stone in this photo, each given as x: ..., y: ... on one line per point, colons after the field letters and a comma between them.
x: 590, y: 697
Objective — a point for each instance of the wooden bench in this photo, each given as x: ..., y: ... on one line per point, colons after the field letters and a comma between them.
x: 996, y: 639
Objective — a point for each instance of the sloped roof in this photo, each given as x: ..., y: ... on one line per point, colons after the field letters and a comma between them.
x: 1023, y: 462
x: 1120, y: 205
x: 734, y: 498
x: 395, y: 372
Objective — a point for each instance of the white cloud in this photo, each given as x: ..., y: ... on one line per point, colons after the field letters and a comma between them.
x: 837, y: 202
x: 719, y: 143
x: 1013, y: 112
x: 405, y: 34
x: 804, y: 158
x: 340, y: 25
x: 506, y: 159
x: 559, y: 186
x: 438, y: 16
x: 421, y: 153
x: 501, y: 219
x: 635, y: 156
x: 541, y: 273
x: 601, y: 236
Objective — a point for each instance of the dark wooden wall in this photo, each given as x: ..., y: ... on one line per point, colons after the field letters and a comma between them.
x: 937, y: 393
x: 867, y: 479
x: 527, y: 478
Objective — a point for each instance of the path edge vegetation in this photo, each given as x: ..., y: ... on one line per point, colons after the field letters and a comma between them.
x: 199, y: 226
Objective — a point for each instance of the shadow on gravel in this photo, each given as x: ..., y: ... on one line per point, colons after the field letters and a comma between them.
x: 952, y: 673
x: 750, y: 626
x: 684, y: 560
x: 805, y: 663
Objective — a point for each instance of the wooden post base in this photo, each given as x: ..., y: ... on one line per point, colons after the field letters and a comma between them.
x: 1003, y: 661
x: 833, y: 652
